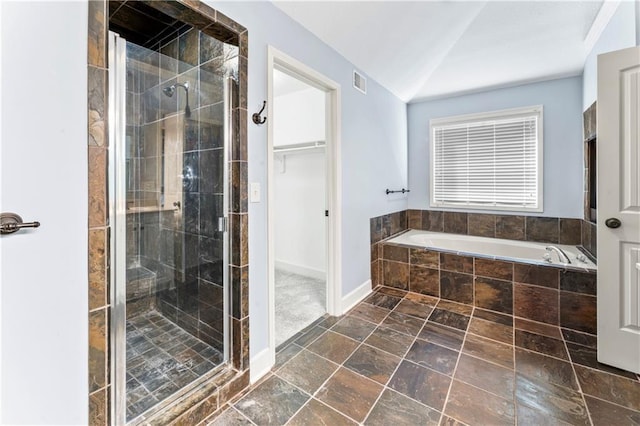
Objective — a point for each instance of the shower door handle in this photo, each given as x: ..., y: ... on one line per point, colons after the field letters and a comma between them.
x: 11, y: 222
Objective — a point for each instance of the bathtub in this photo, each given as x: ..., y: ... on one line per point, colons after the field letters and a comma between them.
x: 494, y: 248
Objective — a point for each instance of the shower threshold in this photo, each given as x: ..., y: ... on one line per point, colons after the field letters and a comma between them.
x: 162, y: 359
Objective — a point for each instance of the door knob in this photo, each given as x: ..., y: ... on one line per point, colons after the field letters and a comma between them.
x: 11, y: 222
x: 613, y: 222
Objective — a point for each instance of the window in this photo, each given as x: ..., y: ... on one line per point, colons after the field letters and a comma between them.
x: 488, y: 161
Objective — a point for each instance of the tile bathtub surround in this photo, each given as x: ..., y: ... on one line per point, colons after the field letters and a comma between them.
x: 493, y: 369
x: 512, y: 227
x: 590, y: 237
x: 199, y: 404
x: 523, y: 228
x: 544, y: 294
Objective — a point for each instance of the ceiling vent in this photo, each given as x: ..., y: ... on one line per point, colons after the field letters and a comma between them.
x: 359, y: 82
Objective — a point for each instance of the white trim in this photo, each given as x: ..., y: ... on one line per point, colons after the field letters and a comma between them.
x: 606, y: 12
x: 356, y: 296
x: 283, y: 62
x: 261, y: 364
x: 301, y: 270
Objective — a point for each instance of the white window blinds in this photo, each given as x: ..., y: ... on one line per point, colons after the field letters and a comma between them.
x: 489, y: 161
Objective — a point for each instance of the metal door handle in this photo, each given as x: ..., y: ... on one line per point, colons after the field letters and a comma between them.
x: 11, y: 222
x: 613, y: 222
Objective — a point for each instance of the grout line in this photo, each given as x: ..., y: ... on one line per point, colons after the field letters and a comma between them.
x: 341, y: 365
x: 231, y: 407
x: 575, y: 375
x: 607, y: 372
x: 455, y: 369
x: 612, y: 403
x: 402, y: 358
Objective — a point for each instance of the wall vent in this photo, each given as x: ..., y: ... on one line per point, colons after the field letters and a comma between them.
x: 359, y: 82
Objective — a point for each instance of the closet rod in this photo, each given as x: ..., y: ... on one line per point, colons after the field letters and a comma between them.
x: 299, y: 147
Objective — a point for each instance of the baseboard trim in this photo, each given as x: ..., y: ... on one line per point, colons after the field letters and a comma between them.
x: 260, y: 365
x: 356, y: 296
x: 301, y: 270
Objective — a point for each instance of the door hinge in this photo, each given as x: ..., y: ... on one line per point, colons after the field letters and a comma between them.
x: 223, y: 224
x: 326, y: 213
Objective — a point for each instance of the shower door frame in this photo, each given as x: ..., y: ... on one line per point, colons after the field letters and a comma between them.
x: 118, y: 210
x: 235, y: 377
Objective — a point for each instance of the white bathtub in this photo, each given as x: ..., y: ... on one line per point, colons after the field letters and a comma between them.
x: 494, y: 248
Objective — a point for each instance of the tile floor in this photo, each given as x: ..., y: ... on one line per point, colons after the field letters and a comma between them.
x: 400, y: 358
x: 161, y: 359
x: 299, y: 300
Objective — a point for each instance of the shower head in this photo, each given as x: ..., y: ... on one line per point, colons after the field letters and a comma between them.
x: 170, y: 90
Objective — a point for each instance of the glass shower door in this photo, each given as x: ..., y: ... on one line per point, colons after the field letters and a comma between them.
x: 170, y: 199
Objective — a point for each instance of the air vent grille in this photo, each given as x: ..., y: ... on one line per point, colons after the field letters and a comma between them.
x: 359, y: 82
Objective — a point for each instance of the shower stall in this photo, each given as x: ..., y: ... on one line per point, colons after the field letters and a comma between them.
x: 170, y: 100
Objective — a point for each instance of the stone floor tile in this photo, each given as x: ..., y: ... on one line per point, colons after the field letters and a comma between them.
x: 307, y: 371
x: 353, y: 327
x: 477, y: 407
x: 333, y: 346
x: 272, y: 402
x: 373, y: 363
x: 422, y: 384
x: 350, y: 394
x: 396, y: 409
x: 609, y: 387
x: 542, y: 344
x: 492, y: 378
x: 442, y: 335
x: 489, y: 350
x: 389, y: 340
x: 317, y: 413
x: 433, y: 356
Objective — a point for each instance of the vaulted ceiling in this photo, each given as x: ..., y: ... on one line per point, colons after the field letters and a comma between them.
x: 427, y: 49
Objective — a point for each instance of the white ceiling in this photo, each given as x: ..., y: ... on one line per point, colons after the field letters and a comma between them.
x: 426, y: 49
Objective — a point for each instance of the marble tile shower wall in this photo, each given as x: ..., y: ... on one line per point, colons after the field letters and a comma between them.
x: 204, y: 401
x: 182, y: 246
x: 544, y: 294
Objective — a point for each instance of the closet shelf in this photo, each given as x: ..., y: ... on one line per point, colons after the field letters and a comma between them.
x: 299, y: 146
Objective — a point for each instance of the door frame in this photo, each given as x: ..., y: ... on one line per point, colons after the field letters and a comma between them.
x: 283, y: 62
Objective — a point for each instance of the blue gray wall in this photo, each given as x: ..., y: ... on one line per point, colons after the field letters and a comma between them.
x: 620, y: 33
x: 563, y: 164
x: 374, y: 149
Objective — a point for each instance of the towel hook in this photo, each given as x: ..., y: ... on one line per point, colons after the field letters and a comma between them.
x: 256, y: 116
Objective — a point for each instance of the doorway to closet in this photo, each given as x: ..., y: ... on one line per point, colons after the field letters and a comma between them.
x: 304, y: 209
x: 299, y: 198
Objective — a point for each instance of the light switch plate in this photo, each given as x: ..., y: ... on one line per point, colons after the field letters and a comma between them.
x: 254, y: 192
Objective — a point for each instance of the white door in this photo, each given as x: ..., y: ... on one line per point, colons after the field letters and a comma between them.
x: 619, y: 203
x: 43, y: 177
